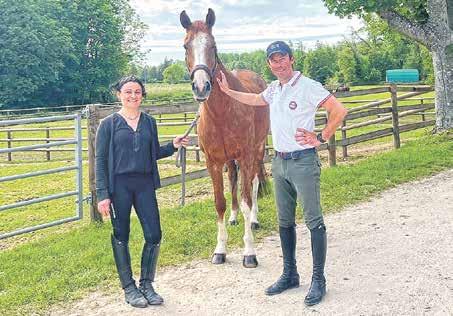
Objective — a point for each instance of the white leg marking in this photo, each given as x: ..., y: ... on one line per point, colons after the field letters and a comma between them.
x: 254, y: 214
x: 248, y: 235
x: 222, y: 237
x: 233, y: 215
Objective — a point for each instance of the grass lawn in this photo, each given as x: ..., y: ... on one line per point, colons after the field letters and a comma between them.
x: 74, y: 259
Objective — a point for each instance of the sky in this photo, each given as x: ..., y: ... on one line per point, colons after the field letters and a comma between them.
x: 241, y: 25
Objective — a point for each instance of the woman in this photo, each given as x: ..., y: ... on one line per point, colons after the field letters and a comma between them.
x: 127, y: 149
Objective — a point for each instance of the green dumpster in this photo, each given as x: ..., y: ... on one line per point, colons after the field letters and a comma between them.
x: 402, y: 76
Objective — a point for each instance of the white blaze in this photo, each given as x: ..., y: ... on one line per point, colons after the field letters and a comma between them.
x: 199, y: 45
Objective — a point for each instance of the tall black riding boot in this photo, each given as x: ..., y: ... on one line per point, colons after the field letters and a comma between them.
x: 318, y: 281
x: 149, y: 264
x: 290, y: 278
x: 123, y: 265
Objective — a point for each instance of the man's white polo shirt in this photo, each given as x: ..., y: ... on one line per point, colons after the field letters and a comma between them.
x: 291, y: 106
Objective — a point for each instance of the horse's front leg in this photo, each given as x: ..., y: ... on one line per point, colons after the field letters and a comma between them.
x: 233, y: 178
x: 215, y: 171
x: 249, y: 260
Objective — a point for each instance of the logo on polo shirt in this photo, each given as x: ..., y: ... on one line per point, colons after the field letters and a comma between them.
x: 292, y: 105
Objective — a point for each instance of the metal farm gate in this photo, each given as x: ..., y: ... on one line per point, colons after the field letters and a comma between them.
x: 77, y: 140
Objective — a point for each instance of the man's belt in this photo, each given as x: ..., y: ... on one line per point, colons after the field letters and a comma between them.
x: 294, y: 154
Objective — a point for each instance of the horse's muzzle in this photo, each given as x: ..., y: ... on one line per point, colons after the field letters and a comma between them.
x: 202, y: 94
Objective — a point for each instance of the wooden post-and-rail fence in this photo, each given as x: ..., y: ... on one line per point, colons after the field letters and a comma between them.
x: 371, y: 113
x: 358, y: 113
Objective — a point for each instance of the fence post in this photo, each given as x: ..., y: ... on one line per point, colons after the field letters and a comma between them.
x: 10, y: 137
x: 423, y: 113
x: 266, y: 144
x: 92, y: 126
x: 197, y: 151
x: 395, y: 119
x: 343, y: 138
x: 331, y: 147
x: 183, y: 153
x: 48, y: 141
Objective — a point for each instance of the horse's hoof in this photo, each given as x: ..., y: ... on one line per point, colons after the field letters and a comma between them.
x: 250, y: 261
x: 234, y: 222
x: 255, y: 226
x: 218, y: 258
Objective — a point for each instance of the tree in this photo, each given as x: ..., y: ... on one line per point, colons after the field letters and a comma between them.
x: 64, y: 52
x: 390, y: 49
x: 32, y: 50
x: 255, y: 61
x: 430, y: 22
x: 299, y: 56
x: 347, y: 64
x: 319, y: 64
x: 105, y: 35
x: 174, y: 73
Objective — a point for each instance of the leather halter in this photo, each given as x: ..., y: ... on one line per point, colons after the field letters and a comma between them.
x: 210, y: 72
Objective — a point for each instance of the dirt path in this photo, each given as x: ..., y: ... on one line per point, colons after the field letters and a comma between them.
x: 392, y: 255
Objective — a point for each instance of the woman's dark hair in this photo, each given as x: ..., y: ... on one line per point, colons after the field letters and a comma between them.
x: 117, y: 86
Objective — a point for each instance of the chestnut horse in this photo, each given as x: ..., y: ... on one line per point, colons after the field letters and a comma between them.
x: 229, y: 132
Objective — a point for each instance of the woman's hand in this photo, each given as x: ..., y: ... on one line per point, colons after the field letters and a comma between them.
x: 179, y: 141
x: 104, y: 208
x: 223, y: 83
x: 304, y: 137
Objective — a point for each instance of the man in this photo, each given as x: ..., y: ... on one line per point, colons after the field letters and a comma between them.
x: 293, y: 100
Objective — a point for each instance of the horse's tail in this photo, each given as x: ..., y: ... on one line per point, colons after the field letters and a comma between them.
x: 264, y: 185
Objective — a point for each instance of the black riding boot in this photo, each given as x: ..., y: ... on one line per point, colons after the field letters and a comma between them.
x: 290, y: 278
x: 149, y: 264
x: 123, y: 265
x: 318, y: 281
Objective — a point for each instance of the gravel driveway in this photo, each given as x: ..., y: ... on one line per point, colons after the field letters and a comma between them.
x: 392, y: 255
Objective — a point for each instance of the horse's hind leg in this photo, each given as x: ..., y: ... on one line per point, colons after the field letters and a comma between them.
x: 233, y: 178
x: 249, y: 260
x: 254, y: 212
x: 219, y: 255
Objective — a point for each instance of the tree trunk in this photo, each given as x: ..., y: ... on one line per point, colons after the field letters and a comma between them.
x: 437, y: 36
x: 443, y: 71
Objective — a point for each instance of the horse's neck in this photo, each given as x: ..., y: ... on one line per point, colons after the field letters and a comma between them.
x: 218, y: 102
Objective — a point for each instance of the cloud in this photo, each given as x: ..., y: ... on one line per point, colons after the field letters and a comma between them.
x: 241, y: 25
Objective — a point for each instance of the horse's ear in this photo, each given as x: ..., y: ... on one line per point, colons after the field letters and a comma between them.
x: 185, y: 20
x: 210, y: 18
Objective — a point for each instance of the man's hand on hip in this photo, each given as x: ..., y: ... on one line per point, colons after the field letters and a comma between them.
x: 304, y: 137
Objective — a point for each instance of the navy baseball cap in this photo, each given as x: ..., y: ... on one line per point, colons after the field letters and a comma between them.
x: 278, y: 47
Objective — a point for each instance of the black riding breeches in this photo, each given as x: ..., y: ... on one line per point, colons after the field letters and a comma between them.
x: 135, y: 190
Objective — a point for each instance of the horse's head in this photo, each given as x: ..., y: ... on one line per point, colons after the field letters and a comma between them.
x: 201, y: 53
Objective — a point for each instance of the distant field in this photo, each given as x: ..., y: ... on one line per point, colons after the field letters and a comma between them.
x: 164, y: 91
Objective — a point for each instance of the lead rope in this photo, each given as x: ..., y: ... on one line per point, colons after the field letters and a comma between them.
x: 181, y: 158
